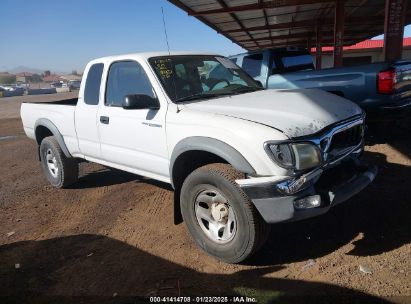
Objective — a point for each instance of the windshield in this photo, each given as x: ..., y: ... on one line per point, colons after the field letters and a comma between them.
x: 191, y: 77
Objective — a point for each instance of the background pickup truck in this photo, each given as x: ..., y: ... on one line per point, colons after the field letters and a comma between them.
x: 238, y: 157
x: 383, y: 90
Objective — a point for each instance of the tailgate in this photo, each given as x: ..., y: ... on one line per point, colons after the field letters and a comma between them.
x: 403, y: 80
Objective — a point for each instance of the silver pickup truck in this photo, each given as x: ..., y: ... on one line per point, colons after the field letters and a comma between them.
x: 382, y: 89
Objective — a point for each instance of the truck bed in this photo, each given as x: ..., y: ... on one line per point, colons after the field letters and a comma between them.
x: 59, y: 113
x: 356, y: 83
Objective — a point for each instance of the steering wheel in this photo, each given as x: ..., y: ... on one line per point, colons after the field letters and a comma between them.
x: 214, y: 82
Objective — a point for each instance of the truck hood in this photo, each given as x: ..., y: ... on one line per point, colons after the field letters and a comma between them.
x: 294, y: 112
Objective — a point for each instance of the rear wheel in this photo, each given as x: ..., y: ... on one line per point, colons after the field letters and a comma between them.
x: 59, y: 170
x: 219, y: 216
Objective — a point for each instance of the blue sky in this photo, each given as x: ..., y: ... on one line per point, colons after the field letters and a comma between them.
x: 64, y: 35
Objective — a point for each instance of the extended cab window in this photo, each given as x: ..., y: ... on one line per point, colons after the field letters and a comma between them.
x: 93, y: 81
x: 293, y: 62
x: 126, y: 78
x: 252, y: 64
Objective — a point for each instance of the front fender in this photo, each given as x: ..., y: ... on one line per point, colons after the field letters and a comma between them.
x: 214, y: 146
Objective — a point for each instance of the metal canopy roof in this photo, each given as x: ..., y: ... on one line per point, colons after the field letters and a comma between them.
x: 260, y: 24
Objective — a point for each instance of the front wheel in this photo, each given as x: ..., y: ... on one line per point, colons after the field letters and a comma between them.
x: 219, y: 216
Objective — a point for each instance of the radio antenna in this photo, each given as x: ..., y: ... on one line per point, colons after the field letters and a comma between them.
x: 169, y: 54
x: 165, y: 30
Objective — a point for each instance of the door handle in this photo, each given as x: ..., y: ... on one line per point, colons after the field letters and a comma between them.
x: 105, y: 119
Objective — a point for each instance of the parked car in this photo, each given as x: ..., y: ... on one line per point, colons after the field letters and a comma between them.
x: 18, y: 90
x: 382, y: 89
x: 239, y: 157
x: 7, y: 87
x: 11, y: 90
x: 74, y: 84
x: 23, y: 85
x: 56, y: 84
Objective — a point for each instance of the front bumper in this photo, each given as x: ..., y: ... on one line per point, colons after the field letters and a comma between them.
x: 334, y: 186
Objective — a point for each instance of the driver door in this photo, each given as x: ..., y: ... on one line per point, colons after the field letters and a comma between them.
x: 134, y: 139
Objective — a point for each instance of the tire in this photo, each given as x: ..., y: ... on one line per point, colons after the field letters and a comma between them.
x: 59, y: 170
x: 214, y: 185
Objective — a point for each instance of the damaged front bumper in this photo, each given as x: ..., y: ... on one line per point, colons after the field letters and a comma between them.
x: 309, y: 195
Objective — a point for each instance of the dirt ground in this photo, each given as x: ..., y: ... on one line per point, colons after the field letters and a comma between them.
x: 111, y: 236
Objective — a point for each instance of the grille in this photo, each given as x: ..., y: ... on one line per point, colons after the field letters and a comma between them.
x: 342, y: 141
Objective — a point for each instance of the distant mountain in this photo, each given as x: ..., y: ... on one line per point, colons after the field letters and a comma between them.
x: 22, y: 68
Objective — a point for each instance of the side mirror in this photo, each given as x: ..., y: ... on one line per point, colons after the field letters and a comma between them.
x: 140, y: 101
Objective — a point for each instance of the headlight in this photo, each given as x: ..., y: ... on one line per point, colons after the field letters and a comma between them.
x: 283, y: 155
x: 298, y: 156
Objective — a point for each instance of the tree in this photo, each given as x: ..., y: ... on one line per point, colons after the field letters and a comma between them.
x: 47, y: 73
x: 7, y: 78
x: 35, y: 78
x: 74, y: 72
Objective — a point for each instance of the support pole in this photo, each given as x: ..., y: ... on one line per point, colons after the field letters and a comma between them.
x: 395, y: 13
x: 338, y: 33
x: 318, y: 47
x: 309, y: 43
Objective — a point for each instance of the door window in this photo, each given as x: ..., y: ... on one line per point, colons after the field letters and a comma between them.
x: 126, y: 78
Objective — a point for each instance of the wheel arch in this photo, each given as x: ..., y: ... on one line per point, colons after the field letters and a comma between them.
x: 191, y: 147
x: 338, y: 93
x: 194, y: 152
x: 44, y: 128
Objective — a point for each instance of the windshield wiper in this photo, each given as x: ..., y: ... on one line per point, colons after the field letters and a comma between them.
x: 206, y: 95
x: 202, y: 95
x: 247, y: 89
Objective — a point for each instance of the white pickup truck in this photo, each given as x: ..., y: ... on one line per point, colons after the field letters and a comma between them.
x: 239, y: 157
